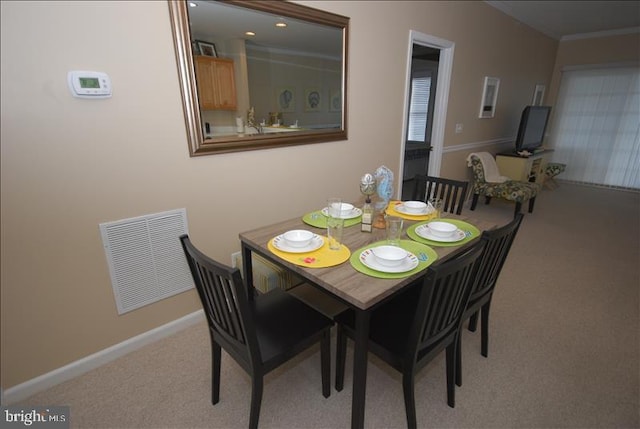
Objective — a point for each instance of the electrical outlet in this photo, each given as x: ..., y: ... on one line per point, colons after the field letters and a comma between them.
x: 458, y: 128
x: 235, y: 259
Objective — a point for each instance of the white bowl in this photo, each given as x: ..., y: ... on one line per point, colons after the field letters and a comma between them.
x: 415, y: 207
x: 298, y: 237
x: 442, y: 229
x: 344, y: 210
x: 389, y: 256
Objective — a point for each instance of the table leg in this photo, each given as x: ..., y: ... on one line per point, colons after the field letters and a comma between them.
x: 247, y: 270
x: 360, y: 356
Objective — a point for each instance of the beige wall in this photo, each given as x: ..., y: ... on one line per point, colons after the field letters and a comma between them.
x: 69, y: 164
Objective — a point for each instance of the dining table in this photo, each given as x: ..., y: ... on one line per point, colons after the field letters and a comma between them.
x: 346, y: 274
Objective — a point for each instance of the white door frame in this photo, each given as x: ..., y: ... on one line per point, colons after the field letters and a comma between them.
x: 442, y: 99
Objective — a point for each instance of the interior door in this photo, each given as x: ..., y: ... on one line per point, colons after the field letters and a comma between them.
x: 424, y: 77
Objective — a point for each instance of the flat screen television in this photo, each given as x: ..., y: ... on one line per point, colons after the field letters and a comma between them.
x: 533, y: 124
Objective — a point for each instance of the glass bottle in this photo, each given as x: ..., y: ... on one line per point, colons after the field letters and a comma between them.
x: 367, y: 216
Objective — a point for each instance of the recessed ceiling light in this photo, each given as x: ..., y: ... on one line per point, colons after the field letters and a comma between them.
x: 281, y: 24
x: 192, y: 4
x: 249, y: 33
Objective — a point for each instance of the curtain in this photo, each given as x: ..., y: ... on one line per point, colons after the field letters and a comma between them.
x: 596, y: 129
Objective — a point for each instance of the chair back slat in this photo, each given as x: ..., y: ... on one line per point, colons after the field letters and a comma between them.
x: 452, y: 192
x: 225, y: 306
x: 443, y: 299
x: 223, y: 297
x: 497, y: 246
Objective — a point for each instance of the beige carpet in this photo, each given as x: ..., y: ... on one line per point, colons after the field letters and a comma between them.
x: 563, y: 350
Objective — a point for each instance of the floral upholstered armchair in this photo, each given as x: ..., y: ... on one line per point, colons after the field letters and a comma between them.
x: 551, y: 170
x: 510, y: 190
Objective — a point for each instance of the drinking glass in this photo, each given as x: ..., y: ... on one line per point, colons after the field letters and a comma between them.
x: 334, y: 206
x: 436, y: 203
x: 394, y: 230
x: 335, y: 224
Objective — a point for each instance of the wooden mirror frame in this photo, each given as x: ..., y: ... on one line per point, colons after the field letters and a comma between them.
x: 233, y: 143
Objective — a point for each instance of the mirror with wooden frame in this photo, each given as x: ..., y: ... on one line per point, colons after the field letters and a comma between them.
x: 284, y: 85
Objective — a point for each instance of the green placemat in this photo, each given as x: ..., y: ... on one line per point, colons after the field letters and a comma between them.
x: 425, y: 254
x: 470, y: 232
x: 319, y: 220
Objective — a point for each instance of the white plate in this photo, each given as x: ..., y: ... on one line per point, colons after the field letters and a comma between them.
x: 400, y: 208
x: 369, y: 260
x: 280, y: 243
x: 424, y: 232
x: 353, y: 214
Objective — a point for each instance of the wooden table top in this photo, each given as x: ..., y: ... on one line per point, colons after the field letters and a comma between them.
x: 344, y: 281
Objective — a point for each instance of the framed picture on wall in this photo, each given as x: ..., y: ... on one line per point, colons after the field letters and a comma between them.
x: 286, y: 99
x: 312, y: 100
x: 538, y: 95
x: 489, y: 97
x: 207, y: 49
x: 195, y: 48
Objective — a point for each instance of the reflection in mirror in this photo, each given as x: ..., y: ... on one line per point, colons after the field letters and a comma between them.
x: 281, y: 86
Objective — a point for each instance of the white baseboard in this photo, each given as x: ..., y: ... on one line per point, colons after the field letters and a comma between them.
x: 86, y: 364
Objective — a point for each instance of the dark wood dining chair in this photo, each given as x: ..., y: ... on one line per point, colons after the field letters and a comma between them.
x: 452, y: 192
x: 497, y: 245
x: 259, y: 334
x: 411, y: 329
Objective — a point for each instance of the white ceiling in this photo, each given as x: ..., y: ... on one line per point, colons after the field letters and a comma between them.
x: 567, y: 19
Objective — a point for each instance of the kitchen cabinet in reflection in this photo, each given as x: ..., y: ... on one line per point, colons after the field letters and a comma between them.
x: 216, y: 83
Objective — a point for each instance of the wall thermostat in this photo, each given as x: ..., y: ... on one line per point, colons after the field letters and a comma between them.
x: 89, y: 84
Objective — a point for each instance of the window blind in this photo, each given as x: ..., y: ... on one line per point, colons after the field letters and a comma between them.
x: 418, y: 108
x: 596, y: 129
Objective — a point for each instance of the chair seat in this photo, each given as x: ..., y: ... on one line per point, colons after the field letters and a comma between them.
x: 390, y: 323
x: 389, y: 328
x: 283, y: 321
x: 510, y: 190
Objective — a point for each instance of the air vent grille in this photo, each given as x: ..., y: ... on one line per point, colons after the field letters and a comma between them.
x: 146, y: 261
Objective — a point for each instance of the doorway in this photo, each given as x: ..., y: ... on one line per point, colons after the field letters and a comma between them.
x: 427, y: 90
x: 423, y: 86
